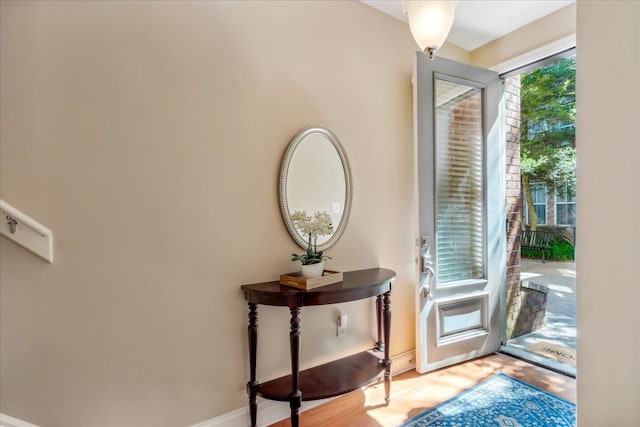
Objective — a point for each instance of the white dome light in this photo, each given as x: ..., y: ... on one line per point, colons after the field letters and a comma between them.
x: 430, y: 22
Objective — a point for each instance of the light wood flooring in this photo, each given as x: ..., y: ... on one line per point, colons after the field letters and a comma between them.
x: 412, y: 393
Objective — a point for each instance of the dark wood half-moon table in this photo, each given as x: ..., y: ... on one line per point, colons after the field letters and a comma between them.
x: 333, y: 378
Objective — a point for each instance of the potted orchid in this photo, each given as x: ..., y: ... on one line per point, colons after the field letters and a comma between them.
x: 311, y: 227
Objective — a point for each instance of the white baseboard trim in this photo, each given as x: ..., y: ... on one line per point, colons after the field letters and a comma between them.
x: 403, y: 362
x: 7, y: 421
x: 270, y: 411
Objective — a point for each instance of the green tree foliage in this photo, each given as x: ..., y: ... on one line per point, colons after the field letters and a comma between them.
x: 547, y: 129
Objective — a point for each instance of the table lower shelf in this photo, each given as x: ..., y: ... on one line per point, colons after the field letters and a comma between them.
x: 328, y: 380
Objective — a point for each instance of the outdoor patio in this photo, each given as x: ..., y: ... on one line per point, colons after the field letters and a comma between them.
x: 555, y: 343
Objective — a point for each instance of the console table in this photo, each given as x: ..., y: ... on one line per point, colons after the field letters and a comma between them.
x: 333, y: 378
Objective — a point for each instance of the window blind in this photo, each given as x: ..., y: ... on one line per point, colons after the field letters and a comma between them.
x: 459, y: 182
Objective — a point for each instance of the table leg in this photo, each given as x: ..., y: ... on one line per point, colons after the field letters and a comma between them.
x: 295, y: 397
x: 387, y: 337
x: 252, y: 385
x: 380, y: 342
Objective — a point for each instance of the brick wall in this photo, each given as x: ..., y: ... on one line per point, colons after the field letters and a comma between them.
x: 514, y: 200
x: 532, y: 309
x: 526, y: 307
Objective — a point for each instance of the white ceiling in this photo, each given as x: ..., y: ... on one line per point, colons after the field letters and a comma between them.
x: 478, y: 22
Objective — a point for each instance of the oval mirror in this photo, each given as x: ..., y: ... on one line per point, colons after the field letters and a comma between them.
x: 316, y: 177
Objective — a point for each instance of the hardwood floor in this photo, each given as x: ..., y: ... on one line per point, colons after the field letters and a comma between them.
x: 412, y: 393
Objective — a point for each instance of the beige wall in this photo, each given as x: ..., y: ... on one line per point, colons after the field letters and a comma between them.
x: 536, y: 35
x: 608, y: 250
x: 148, y: 137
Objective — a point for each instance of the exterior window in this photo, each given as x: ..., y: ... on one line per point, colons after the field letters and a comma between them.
x: 566, y: 207
x: 539, y: 196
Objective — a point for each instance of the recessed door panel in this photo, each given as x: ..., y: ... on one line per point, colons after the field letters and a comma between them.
x: 460, y: 319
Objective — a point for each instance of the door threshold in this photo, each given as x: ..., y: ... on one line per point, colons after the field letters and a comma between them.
x: 542, y: 361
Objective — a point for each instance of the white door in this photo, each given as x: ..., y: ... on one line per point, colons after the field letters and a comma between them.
x: 461, y: 240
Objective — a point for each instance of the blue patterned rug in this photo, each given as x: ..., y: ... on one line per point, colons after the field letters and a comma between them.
x: 500, y: 401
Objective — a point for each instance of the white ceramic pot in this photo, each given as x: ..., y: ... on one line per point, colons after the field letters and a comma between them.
x: 313, y: 271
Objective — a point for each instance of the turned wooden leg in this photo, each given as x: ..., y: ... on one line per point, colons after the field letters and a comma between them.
x: 295, y: 397
x: 387, y: 337
x: 252, y: 385
x: 380, y: 342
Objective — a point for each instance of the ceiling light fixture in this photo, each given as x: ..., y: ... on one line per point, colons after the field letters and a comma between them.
x: 430, y: 22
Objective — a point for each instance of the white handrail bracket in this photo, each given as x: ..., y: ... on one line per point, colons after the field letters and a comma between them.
x: 26, y: 231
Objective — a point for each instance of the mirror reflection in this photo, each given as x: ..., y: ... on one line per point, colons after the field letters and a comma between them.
x: 316, y: 177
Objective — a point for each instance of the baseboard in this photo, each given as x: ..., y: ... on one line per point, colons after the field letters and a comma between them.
x: 270, y: 412
x: 403, y: 362
x: 7, y: 421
